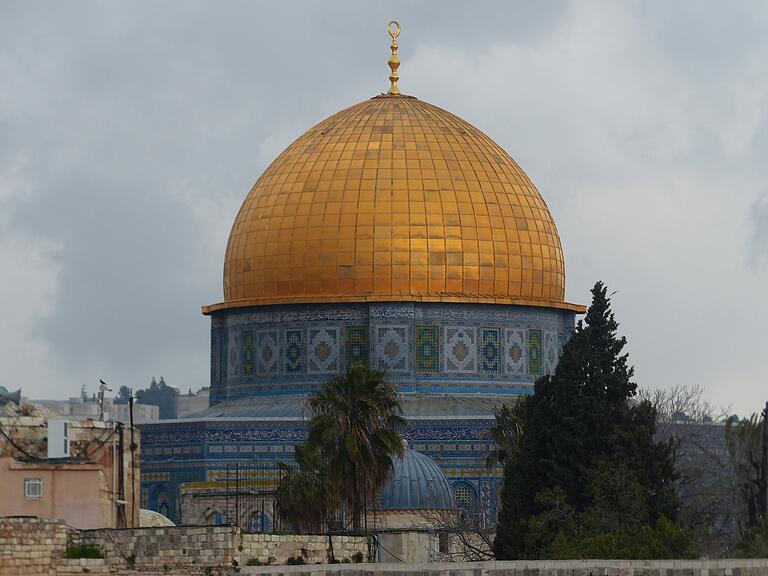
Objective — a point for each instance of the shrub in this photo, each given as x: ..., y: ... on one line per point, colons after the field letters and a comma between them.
x: 295, y: 560
x: 755, y: 542
x: 83, y: 551
x: 357, y: 557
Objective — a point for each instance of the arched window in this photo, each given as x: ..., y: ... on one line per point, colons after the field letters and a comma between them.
x: 465, y: 498
x: 216, y: 518
x: 259, y: 522
x: 161, y: 502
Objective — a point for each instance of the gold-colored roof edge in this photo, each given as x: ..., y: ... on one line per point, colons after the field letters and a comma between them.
x: 334, y: 299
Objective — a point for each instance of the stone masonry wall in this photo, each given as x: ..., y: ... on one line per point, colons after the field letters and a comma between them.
x: 758, y: 567
x: 278, y: 548
x: 174, y: 547
x: 31, y: 546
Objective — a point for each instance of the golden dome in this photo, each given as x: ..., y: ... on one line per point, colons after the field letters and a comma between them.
x: 394, y: 199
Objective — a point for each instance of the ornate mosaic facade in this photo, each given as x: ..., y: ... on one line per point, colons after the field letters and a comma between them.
x: 422, y: 347
x: 394, y: 235
x: 273, y: 353
x: 174, y: 455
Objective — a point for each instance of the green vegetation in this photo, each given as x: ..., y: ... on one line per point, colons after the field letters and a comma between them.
x: 83, y: 551
x: 584, y: 476
x: 506, y: 435
x: 353, y: 425
x: 305, y: 496
x: 755, y: 542
x: 295, y: 560
x: 348, y: 456
x: 357, y: 557
x: 161, y: 395
x: 744, y: 439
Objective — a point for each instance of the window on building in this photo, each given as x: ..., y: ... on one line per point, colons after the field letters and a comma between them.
x: 465, y: 499
x: 259, y: 522
x: 33, y: 488
x: 443, y: 542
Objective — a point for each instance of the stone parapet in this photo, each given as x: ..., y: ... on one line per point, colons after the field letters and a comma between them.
x: 725, y: 567
x: 31, y: 546
x: 35, y: 547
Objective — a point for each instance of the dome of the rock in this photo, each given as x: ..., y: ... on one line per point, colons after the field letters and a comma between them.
x: 394, y: 199
x: 392, y: 235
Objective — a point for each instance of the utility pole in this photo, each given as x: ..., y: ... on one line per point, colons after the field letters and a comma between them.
x: 102, y: 389
x: 133, y: 462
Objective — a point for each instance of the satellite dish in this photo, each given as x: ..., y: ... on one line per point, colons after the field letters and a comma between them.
x: 6, y: 396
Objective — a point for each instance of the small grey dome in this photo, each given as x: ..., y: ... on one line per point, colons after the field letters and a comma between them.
x: 417, y: 483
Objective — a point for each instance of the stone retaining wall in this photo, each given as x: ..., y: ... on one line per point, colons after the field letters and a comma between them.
x: 173, y: 547
x: 737, y: 567
x: 31, y: 546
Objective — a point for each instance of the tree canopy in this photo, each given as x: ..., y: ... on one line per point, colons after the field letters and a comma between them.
x: 352, y: 439
x: 587, y: 475
x: 161, y: 395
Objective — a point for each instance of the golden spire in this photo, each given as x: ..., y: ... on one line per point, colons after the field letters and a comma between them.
x: 393, y: 28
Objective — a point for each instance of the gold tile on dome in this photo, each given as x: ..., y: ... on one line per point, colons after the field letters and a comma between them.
x: 394, y: 198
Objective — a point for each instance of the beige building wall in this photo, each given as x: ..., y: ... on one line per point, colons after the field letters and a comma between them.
x: 186, y: 405
x: 82, y: 490
x: 67, y: 493
x: 141, y: 413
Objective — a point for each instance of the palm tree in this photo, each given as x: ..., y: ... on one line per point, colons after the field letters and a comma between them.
x: 506, y: 435
x: 305, y: 498
x: 353, y: 423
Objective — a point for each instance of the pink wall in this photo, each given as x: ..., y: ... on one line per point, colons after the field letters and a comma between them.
x: 74, y: 493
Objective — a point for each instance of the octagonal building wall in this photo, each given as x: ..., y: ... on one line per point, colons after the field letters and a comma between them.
x: 422, y: 347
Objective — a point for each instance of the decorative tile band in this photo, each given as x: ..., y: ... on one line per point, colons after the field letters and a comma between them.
x: 427, y: 349
x: 420, y: 346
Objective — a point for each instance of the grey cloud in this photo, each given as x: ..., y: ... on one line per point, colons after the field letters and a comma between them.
x: 131, y: 132
x: 758, y: 218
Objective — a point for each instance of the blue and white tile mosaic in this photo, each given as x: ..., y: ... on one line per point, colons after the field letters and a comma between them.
x: 324, y: 354
x: 460, y: 351
x: 434, y: 347
x: 267, y: 352
x: 515, y: 350
x: 551, y: 352
x: 392, y: 348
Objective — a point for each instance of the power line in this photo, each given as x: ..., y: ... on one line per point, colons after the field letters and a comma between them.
x: 19, y: 448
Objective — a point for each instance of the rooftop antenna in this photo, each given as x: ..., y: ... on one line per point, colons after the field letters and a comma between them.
x: 102, y: 388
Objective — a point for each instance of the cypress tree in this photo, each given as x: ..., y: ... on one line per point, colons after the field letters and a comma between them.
x: 579, y: 423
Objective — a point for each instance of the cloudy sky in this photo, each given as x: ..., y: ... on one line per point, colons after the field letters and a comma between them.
x: 130, y: 132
